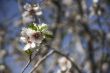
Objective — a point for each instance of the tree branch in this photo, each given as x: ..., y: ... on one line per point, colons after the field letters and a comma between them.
x: 91, y: 36
x: 41, y: 60
x: 48, y: 54
x: 30, y: 60
x: 27, y: 64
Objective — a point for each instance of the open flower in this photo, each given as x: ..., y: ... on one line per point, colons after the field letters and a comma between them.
x: 64, y: 64
x: 31, y: 37
x: 32, y: 9
x: 34, y: 35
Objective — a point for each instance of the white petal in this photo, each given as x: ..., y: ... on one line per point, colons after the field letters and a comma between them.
x: 25, y: 14
x: 23, y: 39
x: 33, y: 45
x: 27, y: 32
x: 27, y: 46
x: 23, y: 32
x: 30, y: 32
x: 95, y: 1
x: 36, y: 8
x: 64, y: 63
x: 39, y: 13
x: 59, y: 71
x: 28, y: 7
x: 69, y: 64
x: 43, y: 24
x: 63, y: 68
x: 35, y: 24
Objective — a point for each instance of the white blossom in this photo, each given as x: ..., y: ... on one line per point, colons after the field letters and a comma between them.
x: 105, y: 66
x: 95, y: 1
x: 64, y: 64
x: 32, y: 9
x: 31, y: 37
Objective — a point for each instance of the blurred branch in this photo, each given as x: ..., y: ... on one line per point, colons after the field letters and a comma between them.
x: 99, y: 10
x: 31, y: 59
x: 27, y: 64
x: 41, y: 60
x: 20, y: 6
x: 57, y: 3
x: 50, y: 53
x: 58, y: 29
x: 91, y: 37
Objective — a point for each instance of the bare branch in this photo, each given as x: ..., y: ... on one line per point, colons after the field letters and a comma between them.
x: 48, y: 54
x: 27, y: 64
x: 41, y: 60
x: 31, y: 59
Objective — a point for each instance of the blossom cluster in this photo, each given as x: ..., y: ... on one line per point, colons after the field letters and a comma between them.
x: 34, y: 34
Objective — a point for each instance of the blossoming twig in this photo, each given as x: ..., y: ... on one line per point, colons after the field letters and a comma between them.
x: 30, y: 60
x: 34, y: 35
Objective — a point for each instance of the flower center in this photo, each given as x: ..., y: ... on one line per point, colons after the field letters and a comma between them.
x: 29, y: 41
x: 37, y: 35
x: 32, y: 12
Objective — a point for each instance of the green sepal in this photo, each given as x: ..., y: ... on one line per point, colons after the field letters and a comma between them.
x: 43, y: 28
x: 48, y: 35
x: 32, y: 26
x: 29, y: 51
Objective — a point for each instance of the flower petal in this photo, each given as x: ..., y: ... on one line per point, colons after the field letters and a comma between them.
x: 39, y: 13
x: 25, y: 14
x: 33, y: 45
x: 36, y: 8
x: 27, y: 7
x: 23, y: 39
x: 30, y: 32
x: 27, y: 46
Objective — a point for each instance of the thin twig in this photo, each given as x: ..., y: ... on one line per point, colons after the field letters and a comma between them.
x: 30, y: 60
x: 41, y: 60
x: 48, y: 54
x: 27, y: 64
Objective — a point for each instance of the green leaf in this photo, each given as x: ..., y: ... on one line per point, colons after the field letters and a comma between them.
x: 43, y: 28
x: 32, y: 26
x: 48, y: 35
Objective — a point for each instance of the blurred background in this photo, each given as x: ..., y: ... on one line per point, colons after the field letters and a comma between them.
x: 81, y: 29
